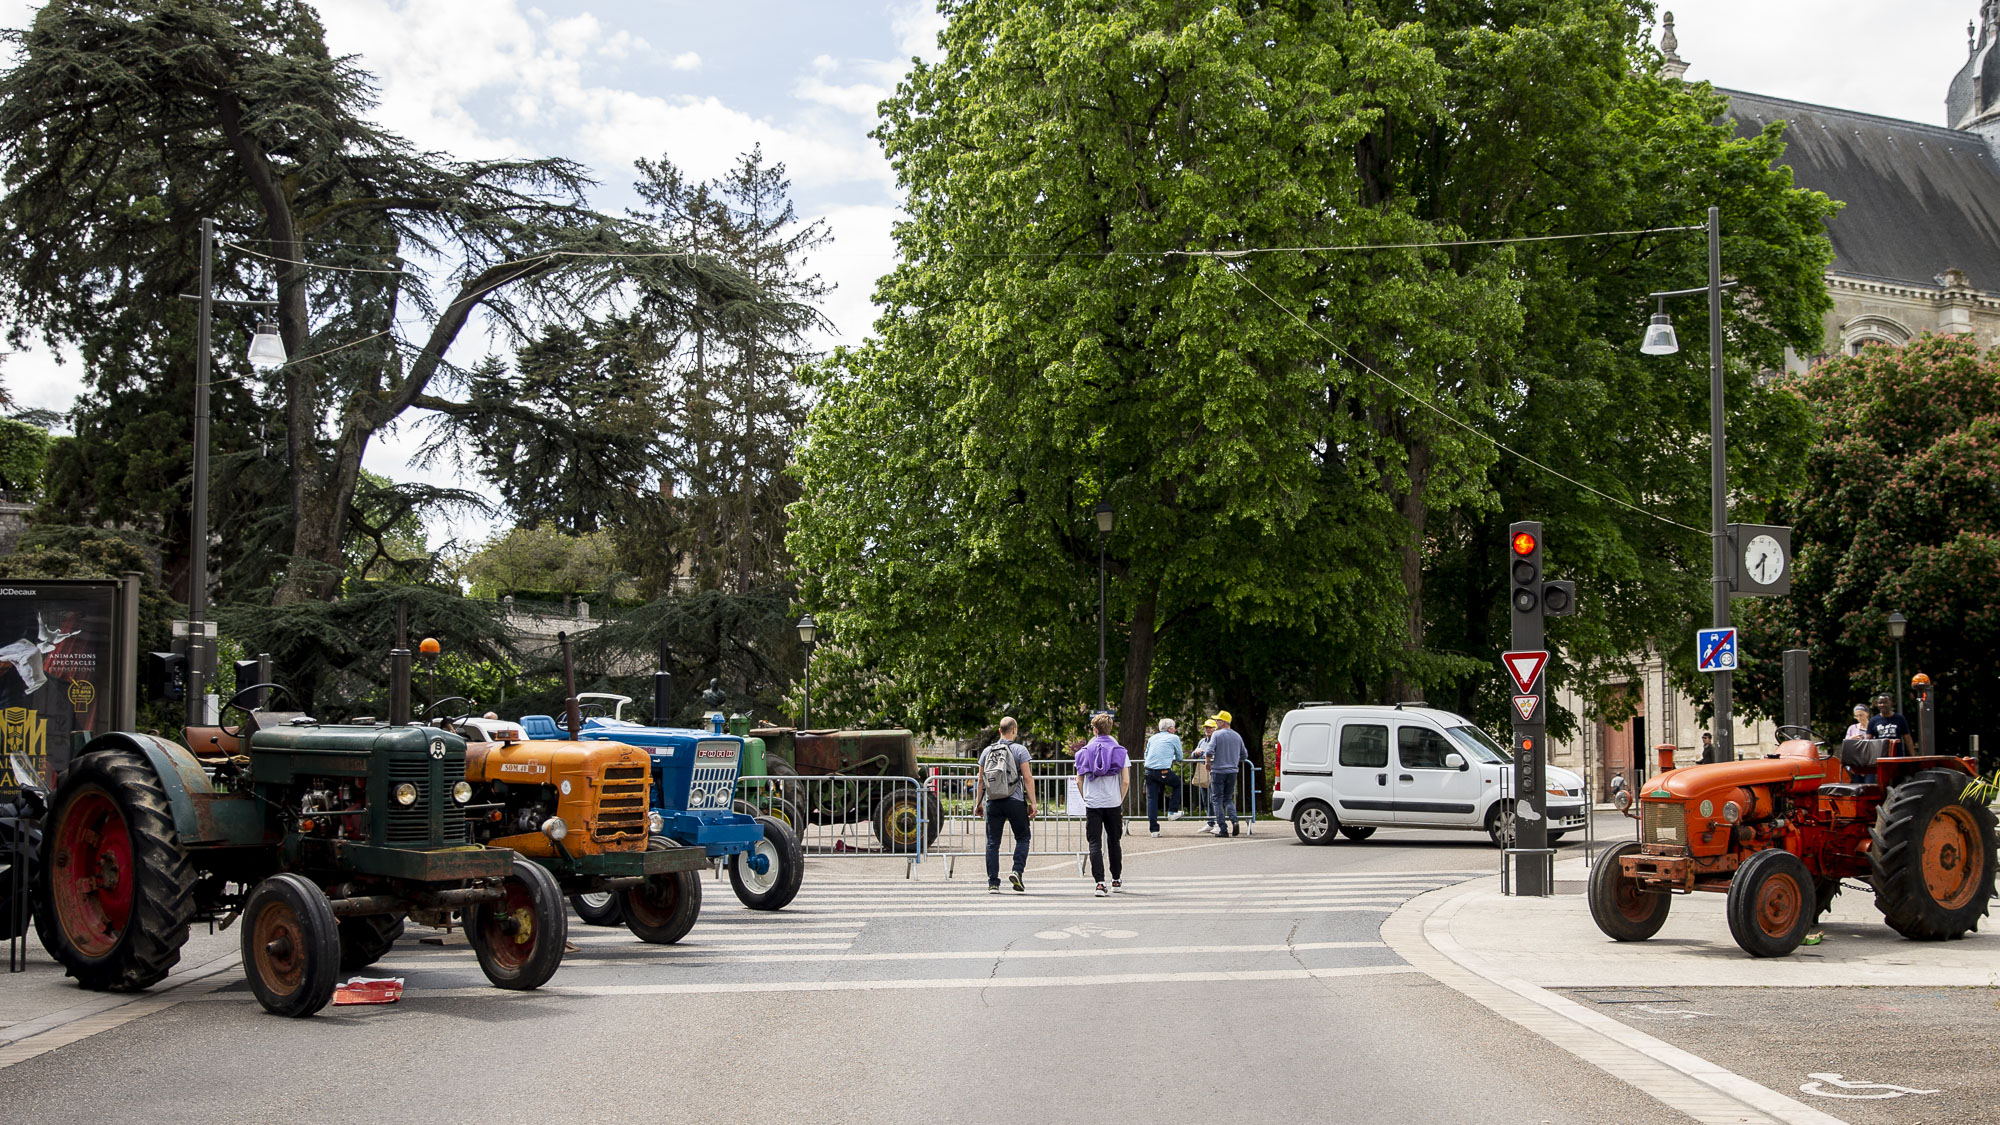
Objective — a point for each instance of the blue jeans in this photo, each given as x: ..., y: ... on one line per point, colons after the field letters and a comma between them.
x: 1011, y: 812
x: 1222, y: 797
x: 1156, y: 781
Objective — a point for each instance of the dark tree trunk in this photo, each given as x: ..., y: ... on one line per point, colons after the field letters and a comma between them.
x: 1138, y: 672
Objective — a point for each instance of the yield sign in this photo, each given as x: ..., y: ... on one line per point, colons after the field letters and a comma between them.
x: 1524, y: 706
x: 1525, y: 667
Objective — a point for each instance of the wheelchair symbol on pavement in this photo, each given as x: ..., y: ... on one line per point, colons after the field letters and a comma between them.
x: 1887, y: 1090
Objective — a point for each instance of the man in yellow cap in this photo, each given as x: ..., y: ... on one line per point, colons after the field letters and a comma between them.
x: 1225, y: 760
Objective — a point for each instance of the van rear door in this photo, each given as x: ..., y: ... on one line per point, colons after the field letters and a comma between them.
x: 1309, y: 753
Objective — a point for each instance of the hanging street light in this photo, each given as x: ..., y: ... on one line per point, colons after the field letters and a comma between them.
x: 267, y: 348
x: 808, y: 636
x: 1660, y: 338
x: 1898, y: 625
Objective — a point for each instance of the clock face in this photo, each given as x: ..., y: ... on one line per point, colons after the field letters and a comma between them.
x: 1764, y: 560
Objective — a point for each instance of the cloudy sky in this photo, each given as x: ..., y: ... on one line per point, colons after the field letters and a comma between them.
x: 606, y: 82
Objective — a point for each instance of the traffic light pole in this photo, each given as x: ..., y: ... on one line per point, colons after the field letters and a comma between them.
x: 1529, y: 859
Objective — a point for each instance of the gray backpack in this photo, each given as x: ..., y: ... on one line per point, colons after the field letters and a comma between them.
x: 997, y: 769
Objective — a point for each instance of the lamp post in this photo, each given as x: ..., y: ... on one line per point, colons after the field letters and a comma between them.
x: 1660, y: 340
x: 808, y: 636
x: 1107, y: 519
x: 1898, y: 625
x: 267, y: 352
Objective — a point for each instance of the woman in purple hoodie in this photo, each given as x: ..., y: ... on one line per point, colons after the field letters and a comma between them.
x: 1103, y: 773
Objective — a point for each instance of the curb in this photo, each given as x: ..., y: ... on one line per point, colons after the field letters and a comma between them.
x: 105, y: 1011
x: 1419, y: 932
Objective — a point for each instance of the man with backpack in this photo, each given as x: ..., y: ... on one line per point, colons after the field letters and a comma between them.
x: 1006, y: 789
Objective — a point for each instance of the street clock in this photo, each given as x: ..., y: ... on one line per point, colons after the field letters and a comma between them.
x: 1762, y: 560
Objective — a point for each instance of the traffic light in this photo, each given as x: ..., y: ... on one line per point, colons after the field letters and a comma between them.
x: 1524, y: 568
x: 1558, y: 599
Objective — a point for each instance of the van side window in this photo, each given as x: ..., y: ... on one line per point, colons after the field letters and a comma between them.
x: 1421, y: 748
x: 1365, y: 745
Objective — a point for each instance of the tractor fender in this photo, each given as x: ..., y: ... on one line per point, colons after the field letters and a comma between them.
x: 190, y: 795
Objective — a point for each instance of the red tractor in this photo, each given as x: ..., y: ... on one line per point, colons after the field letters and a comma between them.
x: 1778, y: 834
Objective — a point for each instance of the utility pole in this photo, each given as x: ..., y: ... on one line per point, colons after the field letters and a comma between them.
x: 1718, y: 489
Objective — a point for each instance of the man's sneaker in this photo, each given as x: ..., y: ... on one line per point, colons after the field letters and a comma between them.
x: 1174, y: 815
x: 1015, y: 879
x: 1236, y: 830
x: 1117, y: 884
x: 1155, y: 833
x: 993, y: 888
x: 1101, y: 892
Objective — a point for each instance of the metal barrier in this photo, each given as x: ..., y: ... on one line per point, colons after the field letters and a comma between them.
x: 842, y: 815
x: 1191, y: 799
x: 1057, y: 828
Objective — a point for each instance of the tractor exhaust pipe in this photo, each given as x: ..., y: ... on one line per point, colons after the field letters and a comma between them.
x: 572, y: 712
x: 399, y: 670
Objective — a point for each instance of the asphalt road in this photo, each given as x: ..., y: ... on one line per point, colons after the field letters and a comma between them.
x: 1241, y: 979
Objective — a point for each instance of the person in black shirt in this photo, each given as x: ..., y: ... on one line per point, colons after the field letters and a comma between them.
x: 1707, y: 748
x: 1888, y: 723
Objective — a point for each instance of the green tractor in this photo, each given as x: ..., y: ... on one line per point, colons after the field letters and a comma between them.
x: 844, y: 782
x: 323, y: 838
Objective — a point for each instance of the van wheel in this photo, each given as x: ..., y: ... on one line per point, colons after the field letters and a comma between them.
x: 1315, y: 823
x: 1500, y: 824
x: 1357, y: 833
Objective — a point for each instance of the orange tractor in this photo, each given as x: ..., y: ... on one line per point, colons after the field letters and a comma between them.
x: 1777, y: 835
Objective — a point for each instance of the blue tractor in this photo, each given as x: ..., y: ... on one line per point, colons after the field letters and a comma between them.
x: 694, y: 789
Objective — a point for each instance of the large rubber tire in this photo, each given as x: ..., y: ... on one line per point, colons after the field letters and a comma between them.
x: 13, y: 925
x: 1770, y: 903
x: 1500, y: 824
x: 1622, y: 910
x: 782, y: 810
x: 665, y: 907
x: 1357, y: 832
x: 895, y: 818
x: 791, y: 792
x: 291, y: 945
x: 599, y: 908
x: 367, y: 938
x: 110, y: 820
x: 519, y: 939
x: 1315, y: 823
x: 1932, y: 857
x: 779, y: 885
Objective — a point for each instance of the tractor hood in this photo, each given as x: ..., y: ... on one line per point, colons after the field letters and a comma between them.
x: 545, y: 763
x: 1796, y: 766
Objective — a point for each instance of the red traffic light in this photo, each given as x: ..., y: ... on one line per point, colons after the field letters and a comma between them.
x: 1524, y: 543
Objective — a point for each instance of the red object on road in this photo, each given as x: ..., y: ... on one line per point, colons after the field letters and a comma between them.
x: 369, y: 990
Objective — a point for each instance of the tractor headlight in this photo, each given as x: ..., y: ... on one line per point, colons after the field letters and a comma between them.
x: 655, y: 823
x: 462, y: 792
x: 554, y: 828
x: 406, y: 794
x: 696, y: 798
x: 1732, y: 812
x: 1623, y: 799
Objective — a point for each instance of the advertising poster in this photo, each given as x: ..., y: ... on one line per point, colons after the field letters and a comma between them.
x: 55, y: 663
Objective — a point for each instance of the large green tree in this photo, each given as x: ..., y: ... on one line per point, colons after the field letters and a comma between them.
x: 1089, y: 309
x: 125, y: 121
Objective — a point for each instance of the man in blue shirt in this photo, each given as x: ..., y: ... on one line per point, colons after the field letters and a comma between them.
x: 1162, y: 751
x: 1225, y: 759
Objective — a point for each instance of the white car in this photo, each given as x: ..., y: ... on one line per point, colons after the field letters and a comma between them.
x: 1353, y: 769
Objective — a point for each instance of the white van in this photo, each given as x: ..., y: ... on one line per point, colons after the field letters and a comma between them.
x: 1351, y: 769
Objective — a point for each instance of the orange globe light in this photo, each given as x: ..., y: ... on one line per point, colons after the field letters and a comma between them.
x: 429, y: 646
x: 1524, y: 543
x: 1920, y: 680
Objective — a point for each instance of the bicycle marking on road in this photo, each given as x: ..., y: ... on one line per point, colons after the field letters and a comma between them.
x: 1889, y: 1090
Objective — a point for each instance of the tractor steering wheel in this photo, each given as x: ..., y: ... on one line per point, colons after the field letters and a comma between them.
x: 451, y: 723
x: 1797, y: 731
x: 236, y: 701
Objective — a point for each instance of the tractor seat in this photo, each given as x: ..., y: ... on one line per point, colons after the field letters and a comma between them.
x: 210, y: 742
x: 541, y: 727
x: 1862, y: 753
x: 1850, y: 789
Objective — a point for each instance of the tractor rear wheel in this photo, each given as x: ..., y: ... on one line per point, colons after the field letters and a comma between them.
x: 785, y: 868
x: 1932, y: 857
x: 367, y: 938
x: 598, y: 908
x: 1619, y: 906
x: 291, y: 946
x: 519, y: 937
x: 1770, y: 903
x: 663, y: 909
x: 118, y: 891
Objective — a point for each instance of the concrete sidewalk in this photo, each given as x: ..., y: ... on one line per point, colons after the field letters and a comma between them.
x: 42, y: 1008
x: 1552, y: 943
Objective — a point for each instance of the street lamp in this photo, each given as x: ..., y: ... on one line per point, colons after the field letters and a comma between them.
x: 1898, y: 625
x: 1660, y: 340
x: 267, y: 351
x: 808, y: 636
x: 1107, y: 519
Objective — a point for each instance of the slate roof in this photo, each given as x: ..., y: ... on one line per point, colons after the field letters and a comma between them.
x: 1920, y: 198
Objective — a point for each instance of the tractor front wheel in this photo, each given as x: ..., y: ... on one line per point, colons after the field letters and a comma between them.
x: 117, y: 890
x: 1932, y: 857
x: 1620, y: 907
x: 663, y: 909
x: 784, y: 866
x: 291, y: 946
x: 367, y: 938
x: 1770, y: 903
x: 902, y: 818
x: 519, y: 937
x: 598, y: 908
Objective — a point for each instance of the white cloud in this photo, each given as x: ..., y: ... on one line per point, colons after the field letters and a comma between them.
x: 916, y: 25
x: 877, y: 81
x: 686, y: 60
x: 862, y: 251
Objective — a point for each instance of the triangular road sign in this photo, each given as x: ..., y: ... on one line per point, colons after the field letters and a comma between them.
x: 1525, y: 668
x: 1524, y: 706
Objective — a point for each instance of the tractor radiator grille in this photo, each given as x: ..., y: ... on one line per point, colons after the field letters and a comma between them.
x: 714, y: 784
x: 621, y: 806
x: 1665, y: 822
x: 410, y: 824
